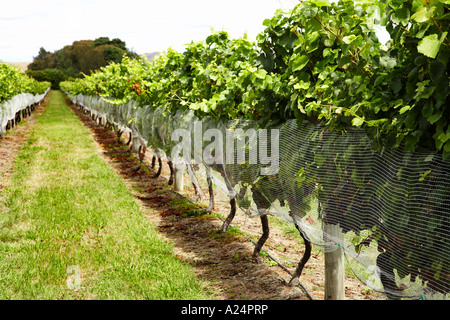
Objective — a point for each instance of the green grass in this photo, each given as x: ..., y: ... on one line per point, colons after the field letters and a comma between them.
x: 70, y: 229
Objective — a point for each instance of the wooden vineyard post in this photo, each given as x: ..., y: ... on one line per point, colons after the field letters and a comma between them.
x: 178, y: 176
x: 135, y: 142
x: 334, y: 264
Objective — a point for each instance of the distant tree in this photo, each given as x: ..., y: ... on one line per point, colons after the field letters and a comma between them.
x: 100, y: 41
x: 118, y: 43
x: 81, y: 57
x: 42, y: 54
x: 82, y: 54
x: 113, y: 54
x: 62, y: 61
x: 55, y: 76
x: 43, y: 60
x: 39, y: 75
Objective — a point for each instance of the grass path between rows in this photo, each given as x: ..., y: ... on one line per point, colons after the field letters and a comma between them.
x: 70, y: 229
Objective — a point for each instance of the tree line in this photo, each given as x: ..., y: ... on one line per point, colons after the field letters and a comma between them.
x: 75, y: 60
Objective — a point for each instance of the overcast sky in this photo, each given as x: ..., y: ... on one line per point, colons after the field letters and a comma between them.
x: 145, y: 26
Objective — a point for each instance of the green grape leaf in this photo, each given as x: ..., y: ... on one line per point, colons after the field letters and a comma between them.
x: 299, y: 63
x: 357, y: 122
x: 260, y: 74
x: 424, y: 175
x: 423, y: 14
x: 349, y: 39
x: 430, y: 45
x: 435, y: 117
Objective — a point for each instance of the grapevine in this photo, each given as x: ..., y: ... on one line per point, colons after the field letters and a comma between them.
x: 14, y: 82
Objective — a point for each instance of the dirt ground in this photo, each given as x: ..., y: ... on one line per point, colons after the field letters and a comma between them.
x: 222, y: 260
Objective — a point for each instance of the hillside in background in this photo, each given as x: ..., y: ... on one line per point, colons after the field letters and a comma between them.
x: 150, y: 56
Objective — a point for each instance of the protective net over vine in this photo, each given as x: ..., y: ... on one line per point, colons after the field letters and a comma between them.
x: 393, y: 208
x: 9, y: 108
